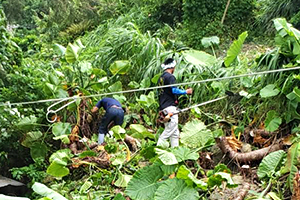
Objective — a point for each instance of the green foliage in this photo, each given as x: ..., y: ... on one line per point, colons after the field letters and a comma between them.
x: 203, y: 18
x: 195, y: 134
x: 58, y: 162
x: 175, y: 189
x: 31, y: 173
x: 143, y: 184
x: 185, y: 174
x: 235, y: 49
x: 291, y: 164
x: 44, y: 191
x: 199, y: 58
x: 61, y: 131
x: 271, y: 9
x: 270, y: 164
x: 272, y: 121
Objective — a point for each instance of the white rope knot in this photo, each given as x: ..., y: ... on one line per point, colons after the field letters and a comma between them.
x: 170, y: 65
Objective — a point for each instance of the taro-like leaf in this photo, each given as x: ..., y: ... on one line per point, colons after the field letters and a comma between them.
x: 31, y: 137
x: 272, y: 121
x: 269, y: 91
x: 27, y: 123
x: 116, y: 87
x: 210, y: 41
x: 140, y: 132
x: 144, y: 183
x: 44, y: 191
x: 119, y: 132
x: 176, y: 189
x: 184, y: 153
x: 195, y: 134
x: 166, y: 157
x: 123, y: 180
x: 185, y: 174
x: 57, y: 170
x: 199, y: 58
x: 38, y: 151
x: 270, y: 164
x: 120, y: 67
x: 235, y: 49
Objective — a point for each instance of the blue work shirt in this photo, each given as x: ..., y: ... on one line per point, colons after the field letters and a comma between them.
x: 107, y: 103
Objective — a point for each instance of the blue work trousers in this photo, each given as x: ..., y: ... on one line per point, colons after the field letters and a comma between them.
x: 112, y: 114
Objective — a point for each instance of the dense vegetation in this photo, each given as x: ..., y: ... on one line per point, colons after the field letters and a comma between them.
x: 81, y: 50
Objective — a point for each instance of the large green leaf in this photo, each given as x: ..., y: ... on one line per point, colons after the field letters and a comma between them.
x: 119, y: 197
x: 56, y: 169
x: 143, y: 184
x: 195, y: 134
x: 62, y: 156
x: 184, y: 153
x: 147, y: 100
x: 210, y: 41
x: 176, y: 189
x: 285, y: 29
x: 120, y: 67
x: 270, y: 164
x: 272, y: 121
x: 44, y: 191
x: 185, y: 174
x: 123, y: 180
x: 38, y: 151
x: 61, y: 50
x: 62, y: 131
x: 27, y: 123
x: 269, y: 91
x: 72, y: 51
x: 199, y: 58
x: 235, y: 49
x: 119, y: 132
x: 116, y: 87
x: 31, y: 137
x: 140, y: 132
x: 166, y: 157
x: 291, y: 164
x: 85, y: 67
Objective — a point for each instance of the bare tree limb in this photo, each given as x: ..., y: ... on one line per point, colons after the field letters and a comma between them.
x: 243, y: 192
x: 246, y: 157
x: 225, y: 11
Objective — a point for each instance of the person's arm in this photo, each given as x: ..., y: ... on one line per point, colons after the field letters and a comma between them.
x: 178, y: 91
x: 95, y: 109
x: 97, y: 106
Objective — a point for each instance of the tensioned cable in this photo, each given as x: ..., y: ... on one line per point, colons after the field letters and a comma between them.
x: 152, y: 88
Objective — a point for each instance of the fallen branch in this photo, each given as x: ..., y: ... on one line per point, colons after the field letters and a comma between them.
x: 243, y: 192
x: 246, y: 157
x: 131, y: 142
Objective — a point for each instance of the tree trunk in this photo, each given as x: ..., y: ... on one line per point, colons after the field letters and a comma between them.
x: 246, y: 157
x: 225, y: 11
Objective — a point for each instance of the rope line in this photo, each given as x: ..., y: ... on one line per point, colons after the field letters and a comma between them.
x: 152, y: 88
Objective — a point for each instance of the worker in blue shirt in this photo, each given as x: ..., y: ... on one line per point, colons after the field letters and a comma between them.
x: 114, y: 113
x: 168, y: 102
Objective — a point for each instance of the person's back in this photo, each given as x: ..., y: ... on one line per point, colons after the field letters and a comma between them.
x: 166, y: 96
x: 168, y: 102
x: 114, y: 113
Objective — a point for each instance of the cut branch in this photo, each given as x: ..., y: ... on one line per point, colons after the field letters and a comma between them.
x: 246, y: 157
x: 243, y: 192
